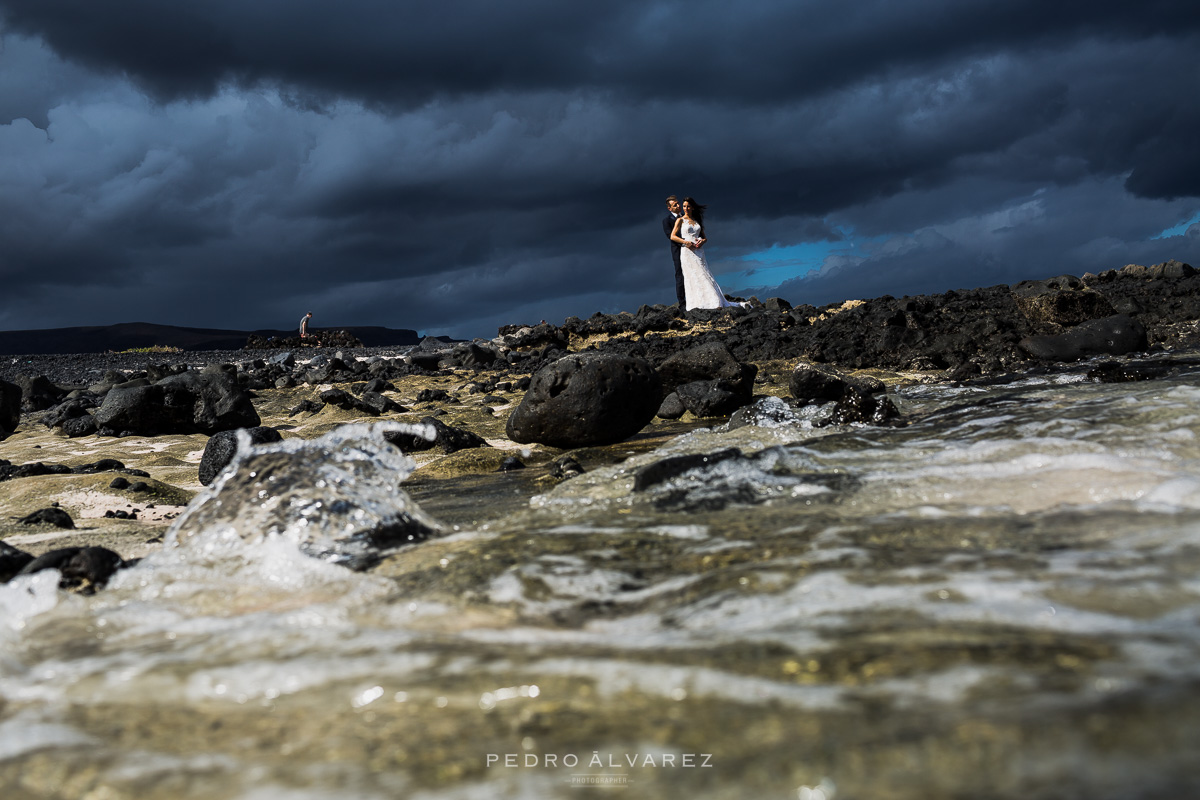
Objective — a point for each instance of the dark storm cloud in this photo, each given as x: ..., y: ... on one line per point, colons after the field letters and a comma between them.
x: 458, y: 165
x: 418, y: 50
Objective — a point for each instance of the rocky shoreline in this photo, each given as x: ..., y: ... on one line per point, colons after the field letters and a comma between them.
x: 107, y: 449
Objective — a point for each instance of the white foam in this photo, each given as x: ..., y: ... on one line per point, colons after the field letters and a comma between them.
x: 27, y: 732
x: 27, y: 596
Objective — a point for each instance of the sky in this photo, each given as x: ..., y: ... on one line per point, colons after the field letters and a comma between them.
x: 455, y: 165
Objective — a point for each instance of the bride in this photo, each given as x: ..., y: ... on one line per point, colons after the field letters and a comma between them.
x: 699, y: 288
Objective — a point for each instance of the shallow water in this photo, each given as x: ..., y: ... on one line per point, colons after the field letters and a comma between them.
x: 1000, y: 599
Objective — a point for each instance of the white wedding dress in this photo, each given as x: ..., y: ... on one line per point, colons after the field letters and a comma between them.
x: 700, y: 289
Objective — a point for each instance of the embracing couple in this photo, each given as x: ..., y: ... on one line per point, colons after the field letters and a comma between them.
x: 694, y: 284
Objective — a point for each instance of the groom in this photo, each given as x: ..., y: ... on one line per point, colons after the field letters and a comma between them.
x: 668, y: 226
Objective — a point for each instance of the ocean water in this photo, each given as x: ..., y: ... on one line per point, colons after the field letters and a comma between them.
x: 999, y: 599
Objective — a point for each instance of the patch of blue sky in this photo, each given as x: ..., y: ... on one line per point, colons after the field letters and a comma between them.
x: 780, y: 263
x: 1180, y: 229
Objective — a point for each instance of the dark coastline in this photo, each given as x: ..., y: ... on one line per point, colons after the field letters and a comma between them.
x: 962, y: 334
x: 130, y: 335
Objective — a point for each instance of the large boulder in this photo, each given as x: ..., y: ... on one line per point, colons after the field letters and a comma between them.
x: 708, y: 362
x: 587, y: 399
x: 1116, y: 335
x: 39, y: 393
x: 223, y: 444
x: 819, y: 383
x: 1062, y: 301
x: 10, y: 407
x: 207, y: 401
x: 714, y: 398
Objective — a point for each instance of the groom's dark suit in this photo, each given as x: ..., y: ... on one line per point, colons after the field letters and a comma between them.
x: 668, y: 226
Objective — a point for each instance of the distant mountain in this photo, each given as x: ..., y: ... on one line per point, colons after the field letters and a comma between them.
x: 127, y: 335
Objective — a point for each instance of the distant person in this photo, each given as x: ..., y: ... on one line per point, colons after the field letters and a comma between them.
x: 304, y: 325
x: 673, y: 212
x: 700, y: 287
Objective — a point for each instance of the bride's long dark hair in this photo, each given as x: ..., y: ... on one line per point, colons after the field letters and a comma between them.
x: 697, y: 213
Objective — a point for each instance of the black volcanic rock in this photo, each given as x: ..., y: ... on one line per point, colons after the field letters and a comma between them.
x: 10, y: 407
x: 672, y: 407
x: 192, y: 402
x: 222, y: 446
x: 811, y: 383
x: 49, y: 516
x: 859, y: 406
x: 83, y: 569
x: 68, y: 410
x: 1115, y: 335
x: 12, y: 561
x: 714, y: 398
x: 587, y: 399
x: 709, y: 362
x: 133, y: 335
x: 38, y: 393
x: 1063, y: 301
x: 446, y: 438
x: 819, y: 383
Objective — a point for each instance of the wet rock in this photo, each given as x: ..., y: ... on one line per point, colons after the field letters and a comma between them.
x: 49, y: 516
x: 964, y: 372
x: 83, y: 569
x: 1115, y: 335
x: 715, y: 398
x: 445, y: 437
x: 820, y: 383
x: 712, y: 481
x: 564, y: 467
x: 10, y: 408
x: 672, y: 407
x: 219, y: 450
x: 859, y: 406
x: 12, y: 561
x: 336, y: 498
x: 667, y: 468
x: 207, y: 401
x: 766, y: 412
x: 510, y: 464
x: 587, y: 399
x: 817, y: 383
x: 1119, y: 372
